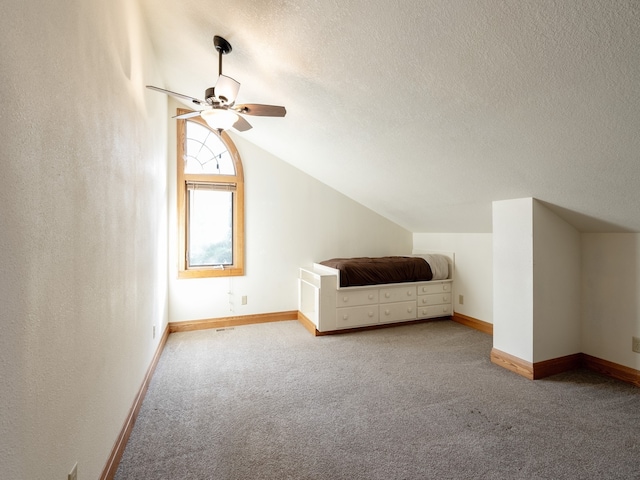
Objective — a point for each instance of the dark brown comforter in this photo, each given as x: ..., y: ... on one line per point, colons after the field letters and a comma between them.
x: 374, y: 271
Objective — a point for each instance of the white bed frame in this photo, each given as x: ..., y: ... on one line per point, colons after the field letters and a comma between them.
x: 323, y: 303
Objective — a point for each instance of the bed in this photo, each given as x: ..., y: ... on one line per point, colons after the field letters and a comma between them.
x: 346, y: 293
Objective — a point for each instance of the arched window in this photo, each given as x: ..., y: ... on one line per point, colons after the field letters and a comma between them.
x: 210, y: 202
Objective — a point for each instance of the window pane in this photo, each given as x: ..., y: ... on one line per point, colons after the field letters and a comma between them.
x: 210, y: 228
x: 206, y: 152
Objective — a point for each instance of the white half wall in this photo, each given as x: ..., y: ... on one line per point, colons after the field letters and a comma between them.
x: 556, y: 286
x: 513, y: 277
x: 83, y: 250
x: 611, y: 296
x: 474, y: 269
x: 537, y: 272
x: 291, y: 220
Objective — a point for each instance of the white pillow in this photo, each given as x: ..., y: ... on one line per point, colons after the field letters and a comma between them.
x: 439, y: 266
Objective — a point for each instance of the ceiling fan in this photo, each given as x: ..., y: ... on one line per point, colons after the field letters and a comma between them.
x: 218, y: 108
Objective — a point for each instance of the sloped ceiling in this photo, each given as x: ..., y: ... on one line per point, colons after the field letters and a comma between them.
x: 426, y: 111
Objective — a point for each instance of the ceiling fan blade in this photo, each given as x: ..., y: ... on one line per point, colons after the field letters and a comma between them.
x: 241, y: 125
x: 260, y: 110
x: 178, y: 95
x: 187, y: 115
x: 226, y: 89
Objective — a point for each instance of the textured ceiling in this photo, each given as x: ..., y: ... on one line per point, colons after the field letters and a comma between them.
x: 426, y: 111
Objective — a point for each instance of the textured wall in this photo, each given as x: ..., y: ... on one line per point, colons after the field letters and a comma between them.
x: 513, y: 277
x: 83, y: 231
x: 610, y: 296
x: 474, y: 269
x: 556, y: 286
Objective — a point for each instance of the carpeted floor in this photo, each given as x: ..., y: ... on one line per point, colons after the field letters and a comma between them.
x: 422, y: 401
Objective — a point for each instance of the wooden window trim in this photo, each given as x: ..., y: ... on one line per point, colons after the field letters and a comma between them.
x: 237, y: 268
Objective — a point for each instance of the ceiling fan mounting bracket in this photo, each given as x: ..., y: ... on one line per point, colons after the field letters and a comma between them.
x: 222, y: 46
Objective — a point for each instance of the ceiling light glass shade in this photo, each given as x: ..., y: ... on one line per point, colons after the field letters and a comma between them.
x: 226, y: 89
x: 219, y: 119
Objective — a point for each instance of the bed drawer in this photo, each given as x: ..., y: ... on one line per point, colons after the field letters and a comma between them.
x: 434, y: 299
x: 361, y: 297
x: 395, y: 312
x: 356, y: 316
x: 434, y: 311
x: 436, y: 287
x: 397, y: 294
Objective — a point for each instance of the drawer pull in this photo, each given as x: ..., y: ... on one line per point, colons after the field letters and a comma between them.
x: 386, y: 312
x: 387, y: 295
x: 444, y: 298
x: 410, y: 309
x: 409, y: 293
x: 370, y: 314
x: 345, y: 299
x: 370, y: 297
x: 445, y: 286
x: 345, y: 317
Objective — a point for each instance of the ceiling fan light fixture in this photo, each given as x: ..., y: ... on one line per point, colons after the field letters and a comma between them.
x: 219, y: 119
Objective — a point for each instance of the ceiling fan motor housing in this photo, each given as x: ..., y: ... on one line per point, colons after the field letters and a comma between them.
x: 210, y: 96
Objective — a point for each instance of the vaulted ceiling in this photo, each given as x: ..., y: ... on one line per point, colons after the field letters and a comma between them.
x: 426, y: 111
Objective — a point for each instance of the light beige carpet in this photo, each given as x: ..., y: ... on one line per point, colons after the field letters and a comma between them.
x: 411, y: 402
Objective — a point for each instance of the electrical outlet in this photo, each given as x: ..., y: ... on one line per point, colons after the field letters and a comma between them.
x: 73, y: 475
x: 244, y: 300
x: 461, y: 299
x: 635, y: 344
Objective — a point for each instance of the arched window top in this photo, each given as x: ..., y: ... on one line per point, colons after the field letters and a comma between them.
x: 206, y: 153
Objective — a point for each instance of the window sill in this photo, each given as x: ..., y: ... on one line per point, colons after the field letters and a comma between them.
x: 211, y: 272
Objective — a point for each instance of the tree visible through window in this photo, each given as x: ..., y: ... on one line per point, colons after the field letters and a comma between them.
x: 210, y: 202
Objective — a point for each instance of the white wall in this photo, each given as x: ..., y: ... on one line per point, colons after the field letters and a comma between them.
x: 513, y: 277
x: 291, y: 220
x: 83, y: 231
x: 556, y: 286
x: 611, y: 296
x: 536, y: 268
x: 474, y: 269
x: 587, y: 285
